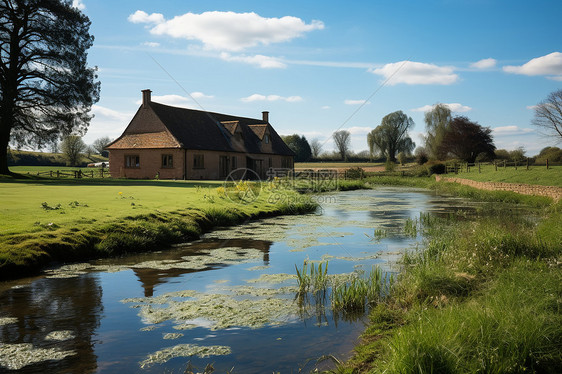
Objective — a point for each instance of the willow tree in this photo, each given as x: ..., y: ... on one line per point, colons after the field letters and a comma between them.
x: 391, y: 136
x: 437, y: 121
x: 46, y: 86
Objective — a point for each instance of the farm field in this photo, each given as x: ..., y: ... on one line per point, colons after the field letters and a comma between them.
x: 535, y: 175
x: 367, y: 166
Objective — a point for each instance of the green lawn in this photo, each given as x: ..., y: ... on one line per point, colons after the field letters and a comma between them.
x: 70, y: 220
x: 100, y: 200
x: 535, y: 175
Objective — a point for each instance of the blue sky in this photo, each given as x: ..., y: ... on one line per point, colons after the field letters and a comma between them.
x: 313, y: 64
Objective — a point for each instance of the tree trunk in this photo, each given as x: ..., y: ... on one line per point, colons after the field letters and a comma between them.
x: 4, y: 140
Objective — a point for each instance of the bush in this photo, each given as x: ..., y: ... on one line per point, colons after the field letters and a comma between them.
x: 389, y: 165
x: 355, y: 173
x: 438, y: 168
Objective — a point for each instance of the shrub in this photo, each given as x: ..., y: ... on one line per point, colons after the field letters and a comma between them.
x: 438, y: 168
x: 389, y: 165
x: 355, y: 173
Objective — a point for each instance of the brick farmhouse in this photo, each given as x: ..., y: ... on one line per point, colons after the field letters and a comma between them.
x: 168, y: 142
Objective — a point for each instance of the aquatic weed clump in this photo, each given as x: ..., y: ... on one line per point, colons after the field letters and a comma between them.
x: 357, y: 294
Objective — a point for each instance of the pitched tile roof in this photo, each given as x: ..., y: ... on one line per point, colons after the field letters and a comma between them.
x: 162, y: 139
x: 195, y: 129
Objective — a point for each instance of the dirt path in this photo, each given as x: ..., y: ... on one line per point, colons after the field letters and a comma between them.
x: 525, y: 189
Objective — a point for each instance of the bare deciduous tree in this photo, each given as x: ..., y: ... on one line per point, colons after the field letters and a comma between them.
x: 342, y: 141
x: 548, y: 115
x: 316, y: 147
x: 72, y: 146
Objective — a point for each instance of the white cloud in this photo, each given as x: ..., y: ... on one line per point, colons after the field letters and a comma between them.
x: 258, y: 97
x: 357, y: 130
x: 227, y: 31
x: 454, y: 107
x: 532, y: 107
x: 176, y: 100
x: 201, y: 95
x: 105, y: 114
x: 151, y: 44
x: 410, y: 72
x: 355, y: 102
x: 325, y: 107
x: 142, y: 17
x: 78, y: 4
x: 510, y: 130
x: 262, y: 61
x: 550, y: 65
x: 486, y: 63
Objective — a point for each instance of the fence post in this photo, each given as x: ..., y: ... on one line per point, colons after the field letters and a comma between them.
x: 515, y: 164
x: 58, y: 174
x: 479, y: 171
x: 527, y: 163
x: 504, y: 164
x: 496, y: 165
x: 547, y: 163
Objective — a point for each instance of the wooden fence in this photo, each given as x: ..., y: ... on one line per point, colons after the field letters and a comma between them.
x: 455, y: 168
x: 97, y: 173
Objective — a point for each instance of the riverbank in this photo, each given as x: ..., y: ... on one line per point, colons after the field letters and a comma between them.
x: 46, y: 220
x: 482, y: 296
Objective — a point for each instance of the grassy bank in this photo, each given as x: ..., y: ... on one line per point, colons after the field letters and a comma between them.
x: 46, y: 220
x: 482, y: 296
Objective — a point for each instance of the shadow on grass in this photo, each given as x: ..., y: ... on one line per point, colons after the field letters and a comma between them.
x: 33, y: 179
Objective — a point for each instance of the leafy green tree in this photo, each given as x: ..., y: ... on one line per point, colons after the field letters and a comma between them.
x: 46, y: 87
x: 391, y: 136
x: 436, y: 123
x: 466, y: 140
x: 72, y: 146
x: 517, y: 154
x: 401, y: 158
x: 299, y: 145
x: 342, y: 140
x: 501, y: 154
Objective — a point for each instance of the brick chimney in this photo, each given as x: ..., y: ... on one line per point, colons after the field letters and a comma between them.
x: 265, y: 116
x: 146, y: 98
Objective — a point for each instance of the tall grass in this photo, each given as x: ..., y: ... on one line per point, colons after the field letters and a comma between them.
x: 358, y: 293
x: 513, y: 327
x: 480, y: 296
x: 312, y: 278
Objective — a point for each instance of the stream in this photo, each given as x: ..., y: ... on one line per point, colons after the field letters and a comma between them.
x: 227, y: 300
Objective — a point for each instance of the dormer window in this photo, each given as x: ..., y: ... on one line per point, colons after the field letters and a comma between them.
x: 266, y: 138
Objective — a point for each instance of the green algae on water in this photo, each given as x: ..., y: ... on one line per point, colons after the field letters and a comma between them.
x: 17, y: 356
x: 7, y: 320
x: 172, y: 335
x: 273, y: 278
x: 60, y: 335
x: 184, y: 350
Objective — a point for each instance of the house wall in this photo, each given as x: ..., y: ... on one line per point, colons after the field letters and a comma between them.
x: 150, y: 164
x: 212, y: 165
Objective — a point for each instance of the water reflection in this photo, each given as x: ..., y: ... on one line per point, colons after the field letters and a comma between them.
x: 49, y: 305
x: 151, y: 277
